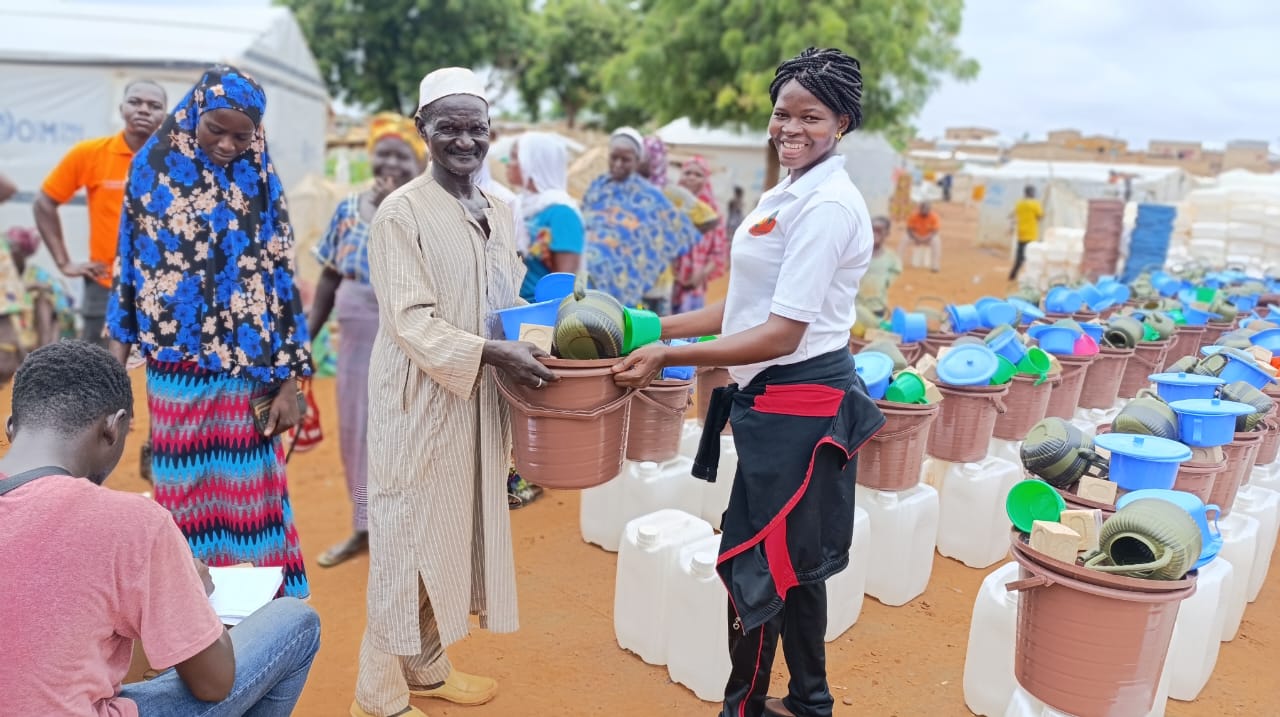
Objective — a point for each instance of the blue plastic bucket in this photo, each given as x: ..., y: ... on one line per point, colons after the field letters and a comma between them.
x: 1094, y: 331
x: 1142, y: 462
x: 1185, y: 386
x: 539, y: 314
x: 998, y: 313
x: 1062, y: 300
x: 1207, y: 423
x: 1059, y: 340
x: 1268, y: 339
x: 1196, y: 317
x: 876, y: 370
x: 911, y: 326
x: 964, y: 318
x: 1239, y: 368
x: 1006, y: 344
x: 553, y: 287
x: 1029, y: 311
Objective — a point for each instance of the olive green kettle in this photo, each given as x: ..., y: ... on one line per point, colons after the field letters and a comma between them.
x: 590, y: 325
x: 1058, y: 452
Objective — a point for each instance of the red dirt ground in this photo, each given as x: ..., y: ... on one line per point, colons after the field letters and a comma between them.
x: 906, y: 661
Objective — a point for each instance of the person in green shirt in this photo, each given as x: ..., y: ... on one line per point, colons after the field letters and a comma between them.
x: 885, y: 266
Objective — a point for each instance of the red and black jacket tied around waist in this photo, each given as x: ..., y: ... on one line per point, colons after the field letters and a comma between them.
x: 797, y: 429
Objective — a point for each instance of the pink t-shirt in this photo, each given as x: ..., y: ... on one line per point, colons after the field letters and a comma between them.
x: 85, y: 571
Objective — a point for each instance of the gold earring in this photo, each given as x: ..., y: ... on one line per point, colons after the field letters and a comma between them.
x: 839, y: 136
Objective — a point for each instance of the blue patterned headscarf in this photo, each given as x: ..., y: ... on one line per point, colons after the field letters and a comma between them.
x: 205, y: 265
x: 633, y: 235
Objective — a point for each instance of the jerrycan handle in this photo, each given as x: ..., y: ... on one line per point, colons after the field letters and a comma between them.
x: 1217, y: 513
x: 580, y: 286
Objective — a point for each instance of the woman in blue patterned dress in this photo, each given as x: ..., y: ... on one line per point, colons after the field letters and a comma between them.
x: 204, y: 287
x: 633, y: 230
x: 396, y: 155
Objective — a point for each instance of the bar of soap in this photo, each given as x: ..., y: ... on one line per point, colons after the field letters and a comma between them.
x: 1086, y: 523
x: 1055, y: 540
x: 1097, y: 490
x: 537, y: 335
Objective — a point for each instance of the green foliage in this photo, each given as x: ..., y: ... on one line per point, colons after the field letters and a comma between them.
x: 713, y: 60
x: 568, y: 41
x: 635, y: 61
x: 374, y: 52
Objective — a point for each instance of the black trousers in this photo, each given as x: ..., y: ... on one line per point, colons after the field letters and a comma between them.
x: 1020, y: 257
x: 802, y: 624
x: 93, y: 311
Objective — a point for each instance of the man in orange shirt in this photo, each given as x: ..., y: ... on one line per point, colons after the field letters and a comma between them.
x: 923, y: 231
x: 99, y: 166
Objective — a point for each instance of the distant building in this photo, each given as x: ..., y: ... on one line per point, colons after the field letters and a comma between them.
x: 1249, y: 154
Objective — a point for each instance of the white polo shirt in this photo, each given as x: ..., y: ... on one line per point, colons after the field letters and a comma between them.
x: 800, y: 254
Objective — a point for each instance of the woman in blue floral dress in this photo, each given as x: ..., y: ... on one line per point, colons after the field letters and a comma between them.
x: 204, y: 287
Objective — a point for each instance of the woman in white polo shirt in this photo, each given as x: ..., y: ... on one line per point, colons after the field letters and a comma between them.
x: 799, y: 412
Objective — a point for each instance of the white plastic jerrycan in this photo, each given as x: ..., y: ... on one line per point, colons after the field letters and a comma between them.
x: 1197, y: 635
x: 646, y: 559
x: 904, y: 528
x: 1267, y: 476
x: 846, y: 588
x: 650, y: 487
x: 988, y: 660
x: 1008, y: 450
x: 698, y: 622
x: 600, y: 512
x: 1239, y: 547
x: 973, y: 526
x: 715, y: 496
x: 1263, y: 505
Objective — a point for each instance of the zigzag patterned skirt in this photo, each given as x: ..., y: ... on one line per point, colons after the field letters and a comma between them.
x: 221, y: 480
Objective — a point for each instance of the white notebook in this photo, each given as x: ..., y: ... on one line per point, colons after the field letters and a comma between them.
x: 239, y: 592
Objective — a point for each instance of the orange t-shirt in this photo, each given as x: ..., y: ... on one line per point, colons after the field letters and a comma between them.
x: 99, y: 166
x: 923, y: 225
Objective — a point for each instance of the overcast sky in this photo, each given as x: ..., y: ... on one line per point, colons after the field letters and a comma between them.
x: 1139, y: 69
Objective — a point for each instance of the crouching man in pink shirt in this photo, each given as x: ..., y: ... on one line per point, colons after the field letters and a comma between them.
x: 85, y: 571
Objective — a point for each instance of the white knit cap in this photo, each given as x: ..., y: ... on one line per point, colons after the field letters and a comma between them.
x: 449, y: 81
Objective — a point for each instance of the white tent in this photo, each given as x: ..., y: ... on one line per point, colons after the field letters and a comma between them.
x: 738, y: 158
x: 1080, y: 180
x: 64, y: 66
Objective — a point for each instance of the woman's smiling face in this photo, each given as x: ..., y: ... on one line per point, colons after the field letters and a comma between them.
x: 802, y: 128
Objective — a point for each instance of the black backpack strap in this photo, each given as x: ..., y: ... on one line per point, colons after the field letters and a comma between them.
x: 26, y: 477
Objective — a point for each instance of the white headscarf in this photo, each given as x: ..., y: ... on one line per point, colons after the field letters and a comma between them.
x: 544, y: 160
x: 633, y: 135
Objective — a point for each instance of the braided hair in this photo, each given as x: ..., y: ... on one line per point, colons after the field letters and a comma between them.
x: 832, y: 76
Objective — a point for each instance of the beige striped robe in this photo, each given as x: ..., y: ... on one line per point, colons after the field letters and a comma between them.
x: 439, y: 433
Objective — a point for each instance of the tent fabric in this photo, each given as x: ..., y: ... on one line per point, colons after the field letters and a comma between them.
x: 1086, y: 180
x: 64, y: 66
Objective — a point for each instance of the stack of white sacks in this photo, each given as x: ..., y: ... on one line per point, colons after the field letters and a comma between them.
x: 1236, y: 221
x: 1056, y: 255
x: 1205, y: 620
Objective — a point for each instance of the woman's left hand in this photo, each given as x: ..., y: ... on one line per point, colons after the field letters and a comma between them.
x: 642, y: 367
x: 284, y: 409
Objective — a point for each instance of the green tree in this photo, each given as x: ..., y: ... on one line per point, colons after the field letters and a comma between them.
x: 374, y: 52
x: 569, y: 42
x: 713, y: 60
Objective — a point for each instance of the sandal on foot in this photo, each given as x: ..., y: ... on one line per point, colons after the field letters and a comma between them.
x: 460, y: 689
x: 344, y: 551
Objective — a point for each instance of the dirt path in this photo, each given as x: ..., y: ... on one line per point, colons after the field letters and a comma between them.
x: 906, y: 661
